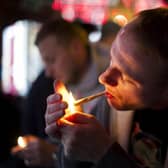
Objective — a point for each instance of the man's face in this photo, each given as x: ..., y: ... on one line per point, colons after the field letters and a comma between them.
x: 130, y: 79
x: 59, y: 61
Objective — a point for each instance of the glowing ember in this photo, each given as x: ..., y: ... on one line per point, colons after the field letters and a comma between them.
x: 21, y: 142
x: 59, y: 87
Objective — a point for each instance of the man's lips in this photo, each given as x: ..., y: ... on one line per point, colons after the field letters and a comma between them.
x: 109, y: 95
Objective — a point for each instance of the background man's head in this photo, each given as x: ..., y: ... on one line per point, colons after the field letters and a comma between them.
x: 63, y: 47
x: 138, y: 73
x: 108, y: 32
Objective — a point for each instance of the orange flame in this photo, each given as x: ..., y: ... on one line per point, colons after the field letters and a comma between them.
x: 59, y: 87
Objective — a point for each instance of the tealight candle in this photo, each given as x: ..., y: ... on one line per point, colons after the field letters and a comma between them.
x: 22, y: 143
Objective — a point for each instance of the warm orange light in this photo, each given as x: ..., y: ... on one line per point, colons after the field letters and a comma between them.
x: 121, y: 20
x: 21, y: 142
x: 66, y: 96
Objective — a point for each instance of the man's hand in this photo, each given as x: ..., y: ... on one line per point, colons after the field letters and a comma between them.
x: 55, y: 110
x: 83, y: 137
x: 38, y: 152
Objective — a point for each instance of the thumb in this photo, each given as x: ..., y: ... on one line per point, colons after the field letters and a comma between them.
x: 79, y: 118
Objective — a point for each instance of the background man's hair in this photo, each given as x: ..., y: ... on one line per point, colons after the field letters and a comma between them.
x: 110, y: 28
x: 64, y: 32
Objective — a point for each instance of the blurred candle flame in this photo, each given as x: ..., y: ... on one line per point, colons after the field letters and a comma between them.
x: 22, y: 142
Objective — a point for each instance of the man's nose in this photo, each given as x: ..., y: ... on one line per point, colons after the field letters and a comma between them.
x: 110, y: 77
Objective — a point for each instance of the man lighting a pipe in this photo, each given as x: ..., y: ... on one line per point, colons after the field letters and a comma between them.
x: 136, y: 78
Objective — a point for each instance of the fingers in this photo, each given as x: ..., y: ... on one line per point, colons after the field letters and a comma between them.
x: 25, y: 154
x: 54, y: 98
x: 80, y: 118
x: 56, y: 106
x: 64, y: 123
x: 52, y: 118
x: 31, y: 162
x: 26, y: 162
x: 52, y: 130
x: 74, y: 122
x: 55, y: 110
x: 31, y: 154
x: 30, y: 138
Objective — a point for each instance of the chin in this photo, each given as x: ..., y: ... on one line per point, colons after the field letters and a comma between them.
x: 114, y: 104
x: 119, y: 106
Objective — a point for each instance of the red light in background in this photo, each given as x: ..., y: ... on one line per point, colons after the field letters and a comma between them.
x: 127, y: 3
x: 68, y: 12
x: 165, y: 2
x: 56, y: 6
x: 92, y: 12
